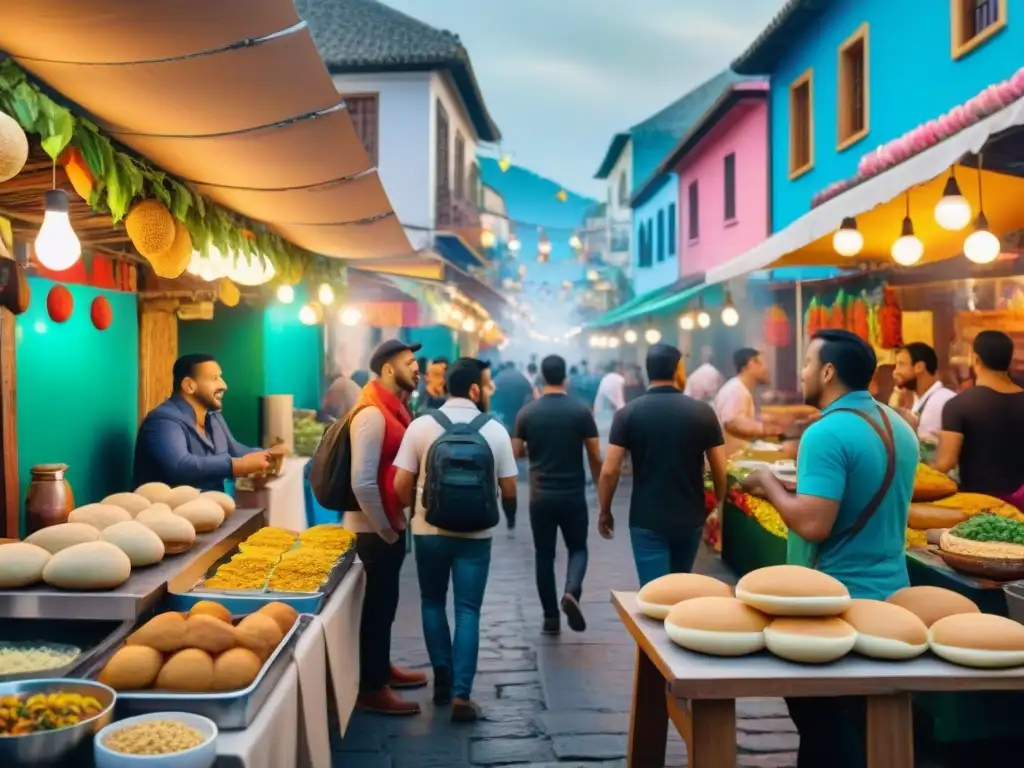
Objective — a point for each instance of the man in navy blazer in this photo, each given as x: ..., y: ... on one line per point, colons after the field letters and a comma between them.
x: 185, y: 440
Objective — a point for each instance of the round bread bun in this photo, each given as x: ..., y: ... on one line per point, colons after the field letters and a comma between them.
x: 209, y: 634
x: 222, y: 499
x: 177, y: 533
x: 179, y: 495
x: 282, y: 613
x: 147, y: 516
x: 792, y: 590
x: 980, y: 640
x: 656, y: 597
x: 132, y: 503
x: 155, y: 492
x: 166, y: 632
x: 810, y: 640
x: 21, y: 564
x: 885, y: 630
x: 930, y: 604
x: 94, y: 565
x: 141, y: 544
x: 719, y: 626
x: 211, y: 608
x: 993, y: 550
x: 99, y: 516
x: 57, y: 537
x: 188, y: 670
x: 205, y: 515
x: 132, y: 668
x: 235, y: 669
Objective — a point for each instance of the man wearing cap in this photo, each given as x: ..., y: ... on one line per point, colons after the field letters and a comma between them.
x: 378, y: 426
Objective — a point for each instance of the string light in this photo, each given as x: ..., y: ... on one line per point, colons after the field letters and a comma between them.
x: 686, y: 322
x: 848, y: 240
x: 307, y: 315
x: 652, y: 335
x: 325, y: 294
x: 286, y: 294
x: 350, y: 316
x: 629, y: 336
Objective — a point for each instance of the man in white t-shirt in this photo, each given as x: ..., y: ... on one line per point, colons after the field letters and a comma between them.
x: 734, y: 403
x: 462, y: 558
x: 704, y: 383
x: 916, y: 369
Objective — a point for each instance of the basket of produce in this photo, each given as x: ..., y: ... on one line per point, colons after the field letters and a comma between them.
x: 931, y: 485
x: 54, y: 647
x: 955, y: 509
x: 160, y: 739
x: 989, y: 546
x: 51, y: 722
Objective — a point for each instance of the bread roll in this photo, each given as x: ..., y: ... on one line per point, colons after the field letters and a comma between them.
x: 99, y: 516
x: 131, y: 503
x: 188, y: 670
x: 179, y: 495
x: 177, y: 533
x: 220, y: 498
x: 210, y: 608
x: 792, y: 590
x: 142, y: 546
x: 282, y: 613
x: 925, y: 517
x: 235, y: 669
x: 720, y: 626
x: 90, y: 566
x: 58, y: 537
x: 166, y: 632
x: 209, y: 634
x: 205, y: 515
x: 980, y: 640
x: 930, y: 604
x: 147, y: 516
x: 155, y: 492
x: 656, y: 597
x: 885, y: 630
x: 21, y: 564
x: 259, y: 633
x: 132, y: 668
x: 810, y: 640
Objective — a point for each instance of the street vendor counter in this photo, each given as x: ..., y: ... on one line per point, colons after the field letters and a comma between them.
x: 283, y: 497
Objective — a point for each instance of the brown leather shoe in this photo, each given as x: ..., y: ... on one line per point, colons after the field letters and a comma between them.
x: 386, y: 702
x: 465, y: 711
x: 404, y: 679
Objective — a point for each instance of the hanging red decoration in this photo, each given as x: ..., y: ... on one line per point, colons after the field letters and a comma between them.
x: 101, y: 313
x: 59, y: 304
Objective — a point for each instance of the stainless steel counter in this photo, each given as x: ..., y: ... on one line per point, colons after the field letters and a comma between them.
x: 145, y: 587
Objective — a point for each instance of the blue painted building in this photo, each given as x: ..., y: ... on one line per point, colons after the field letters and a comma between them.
x: 656, y: 235
x: 847, y: 76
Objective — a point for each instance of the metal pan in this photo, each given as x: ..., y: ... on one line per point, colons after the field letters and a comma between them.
x: 92, y: 638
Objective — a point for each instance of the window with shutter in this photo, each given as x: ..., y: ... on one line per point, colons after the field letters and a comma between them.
x: 661, y: 235
x: 730, y: 186
x: 693, y: 223
x: 460, y: 167
x: 853, y: 89
x: 442, y: 167
x: 363, y: 110
x: 974, y: 22
x: 801, y: 125
x: 672, y: 229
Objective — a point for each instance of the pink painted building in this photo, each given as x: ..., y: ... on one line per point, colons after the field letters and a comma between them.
x: 723, y: 169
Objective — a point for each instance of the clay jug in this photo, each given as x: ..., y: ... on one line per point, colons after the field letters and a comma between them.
x: 49, y: 500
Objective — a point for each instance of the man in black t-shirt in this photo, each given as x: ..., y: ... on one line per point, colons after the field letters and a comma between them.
x: 668, y: 434
x: 556, y: 430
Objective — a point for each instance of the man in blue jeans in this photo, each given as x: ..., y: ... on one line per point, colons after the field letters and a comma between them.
x: 668, y: 435
x: 462, y: 558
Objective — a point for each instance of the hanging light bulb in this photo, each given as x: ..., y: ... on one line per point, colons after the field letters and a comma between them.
x: 252, y: 270
x: 286, y: 294
x: 730, y: 315
x: 514, y: 245
x: 593, y: 275
x: 350, y: 316
x: 592, y: 341
x: 487, y: 239
x: 629, y: 336
x: 848, y: 241
x: 703, y: 319
x: 57, y: 246
x: 687, y: 322
x: 981, y: 246
x: 652, y: 335
x: 908, y: 248
x: 952, y: 212
x: 575, y: 243
x: 308, y: 314
x: 325, y: 294
x: 488, y: 326
x: 613, y: 342
x: 469, y: 324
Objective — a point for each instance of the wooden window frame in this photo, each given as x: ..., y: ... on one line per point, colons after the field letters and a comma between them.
x: 729, y: 219
x: 459, y: 179
x: 806, y: 79
x: 843, y: 84
x: 374, y: 153
x: 443, y: 158
x: 959, y: 47
x: 693, y: 211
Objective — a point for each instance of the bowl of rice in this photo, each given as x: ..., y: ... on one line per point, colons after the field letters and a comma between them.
x: 159, y: 739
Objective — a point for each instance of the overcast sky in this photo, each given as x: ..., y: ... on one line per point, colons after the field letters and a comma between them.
x: 561, y: 77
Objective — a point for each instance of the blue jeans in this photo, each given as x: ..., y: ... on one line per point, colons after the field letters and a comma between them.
x: 657, y: 554
x: 465, y: 562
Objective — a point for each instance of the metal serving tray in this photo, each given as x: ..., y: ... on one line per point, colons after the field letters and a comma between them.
x: 93, y: 638
x: 230, y: 710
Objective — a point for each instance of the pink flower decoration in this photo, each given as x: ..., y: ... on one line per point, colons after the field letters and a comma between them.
x: 1017, y: 83
x: 1005, y: 94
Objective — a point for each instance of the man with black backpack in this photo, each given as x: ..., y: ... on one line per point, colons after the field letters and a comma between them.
x: 462, y: 458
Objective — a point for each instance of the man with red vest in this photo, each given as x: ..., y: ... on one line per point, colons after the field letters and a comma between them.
x: 377, y: 429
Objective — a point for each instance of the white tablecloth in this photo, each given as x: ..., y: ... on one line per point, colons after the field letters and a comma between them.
x: 339, y: 622
x: 272, y: 739
x: 283, y: 498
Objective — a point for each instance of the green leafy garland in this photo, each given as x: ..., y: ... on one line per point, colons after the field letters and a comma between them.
x: 121, y: 179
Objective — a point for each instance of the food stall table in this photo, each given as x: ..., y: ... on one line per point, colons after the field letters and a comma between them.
x: 746, y: 546
x: 273, y: 738
x: 339, y: 623
x: 698, y: 694
x: 283, y: 497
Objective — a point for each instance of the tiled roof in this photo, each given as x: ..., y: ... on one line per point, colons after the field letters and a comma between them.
x: 611, y: 155
x: 368, y: 36
x: 762, y: 54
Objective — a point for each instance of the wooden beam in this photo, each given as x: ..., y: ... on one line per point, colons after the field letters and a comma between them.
x: 10, y: 493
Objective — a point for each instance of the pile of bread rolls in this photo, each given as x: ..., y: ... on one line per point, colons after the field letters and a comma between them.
x: 199, y: 651
x: 101, y: 543
x: 806, y: 616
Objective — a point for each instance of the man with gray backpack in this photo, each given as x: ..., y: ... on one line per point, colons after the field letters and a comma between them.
x: 455, y: 463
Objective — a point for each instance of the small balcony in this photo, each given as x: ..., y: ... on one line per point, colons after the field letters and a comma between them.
x: 456, y: 213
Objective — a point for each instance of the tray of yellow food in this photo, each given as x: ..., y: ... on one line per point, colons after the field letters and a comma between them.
x: 955, y: 509
x: 932, y: 485
x: 275, y: 564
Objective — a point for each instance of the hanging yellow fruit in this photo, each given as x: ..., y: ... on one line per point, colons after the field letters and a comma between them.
x: 150, y: 227
x: 228, y: 293
x: 13, y: 147
x: 78, y: 173
x: 172, y: 262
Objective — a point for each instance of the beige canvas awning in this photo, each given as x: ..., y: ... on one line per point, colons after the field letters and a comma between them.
x: 229, y: 95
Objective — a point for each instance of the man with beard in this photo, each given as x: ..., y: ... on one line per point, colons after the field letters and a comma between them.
x: 185, y: 440
x: 734, y: 402
x: 916, y: 370
x: 848, y: 515
x: 379, y: 421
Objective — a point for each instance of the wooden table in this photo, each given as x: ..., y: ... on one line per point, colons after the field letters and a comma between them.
x: 698, y: 694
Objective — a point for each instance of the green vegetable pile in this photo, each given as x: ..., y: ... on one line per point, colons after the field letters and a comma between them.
x: 991, y: 528
x: 307, y: 433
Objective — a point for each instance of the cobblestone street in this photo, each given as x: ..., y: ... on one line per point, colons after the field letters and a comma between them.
x: 548, y: 701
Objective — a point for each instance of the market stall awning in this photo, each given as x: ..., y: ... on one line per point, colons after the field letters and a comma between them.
x: 420, y: 267
x: 381, y: 303
x: 230, y: 96
x: 879, y: 205
x: 657, y: 302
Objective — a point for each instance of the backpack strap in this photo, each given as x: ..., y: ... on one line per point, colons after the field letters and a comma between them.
x: 478, y: 423
x: 441, y: 418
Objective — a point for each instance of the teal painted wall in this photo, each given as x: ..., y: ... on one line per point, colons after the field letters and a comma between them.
x: 78, y: 391
x: 437, y: 341
x: 293, y: 353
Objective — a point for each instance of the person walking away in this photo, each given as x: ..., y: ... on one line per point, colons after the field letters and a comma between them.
x: 916, y: 370
x: 704, y: 383
x: 463, y: 458
x: 610, y: 398
x: 669, y: 436
x: 634, y: 384
x: 734, y: 403
x: 554, y: 432
x: 379, y: 423
x: 848, y: 515
x: 533, y: 377
x: 982, y: 426
x: 511, y: 392
x: 340, y: 398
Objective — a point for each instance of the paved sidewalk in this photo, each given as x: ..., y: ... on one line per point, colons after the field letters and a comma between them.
x: 548, y: 702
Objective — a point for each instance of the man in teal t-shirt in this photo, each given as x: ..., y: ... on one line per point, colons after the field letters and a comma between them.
x: 842, y: 464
